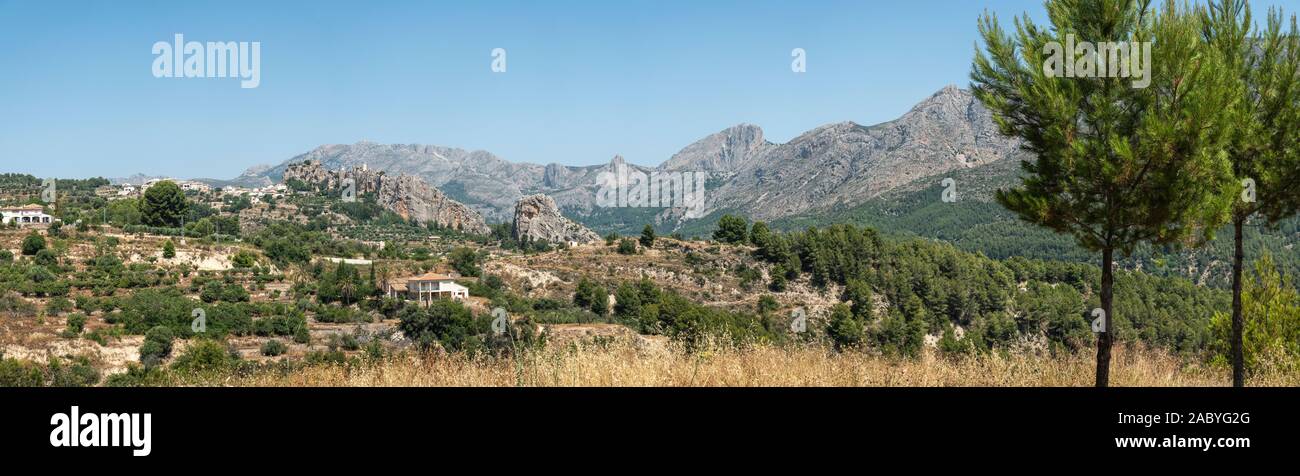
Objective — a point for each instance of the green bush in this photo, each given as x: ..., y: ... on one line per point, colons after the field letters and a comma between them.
x: 445, y: 322
x: 466, y: 261
x: 20, y: 373
x: 274, y: 348
x: 33, y: 243
x: 1271, y: 332
x: 47, y: 257
x: 78, y: 373
x: 58, y: 305
x: 76, y: 323
x: 243, y: 259
x: 204, y: 355
x: 590, y: 295
x: 627, y: 246
x: 157, y: 346
x: 137, y: 376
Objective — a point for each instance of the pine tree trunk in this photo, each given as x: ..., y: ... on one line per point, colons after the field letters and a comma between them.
x: 1104, y: 338
x: 1238, y: 320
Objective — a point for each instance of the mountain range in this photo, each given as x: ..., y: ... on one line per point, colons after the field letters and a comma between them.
x: 825, y: 169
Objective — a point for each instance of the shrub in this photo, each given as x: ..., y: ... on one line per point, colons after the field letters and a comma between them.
x: 466, y: 261
x: 591, y: 296
x: 47, y: 257
x: 33, y: 243
x: 157, y: 346
x: 76, y: 323
x: 274, y: 348
x: 1271, y: 334
x: 627, y: 301
x: 627, y: 246
x: 137, y: 376
x: 58, y: 305
x: 344, y: 341
x: 169, y: 249
x: 243, y: 259
x: 20, y: 373
x: 78, y: 373
x: 279, y: 325
x: 205, y: 355
x: 446, y: 323
x: 234, y: 293
x: 778, y: 283
x: 216, y: 291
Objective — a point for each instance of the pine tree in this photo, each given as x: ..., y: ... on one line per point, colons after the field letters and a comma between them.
x: 1116, y: 164
x: 163, y: 204
x: 1266, y: 126
x: 732, y: 229
x: 648, y: 236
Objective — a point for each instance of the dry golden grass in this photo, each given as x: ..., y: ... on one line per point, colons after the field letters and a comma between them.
x: 628, y: 365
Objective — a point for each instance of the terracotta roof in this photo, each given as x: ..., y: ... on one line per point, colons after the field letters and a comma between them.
x: 430, y: 277
x: 29, y: 207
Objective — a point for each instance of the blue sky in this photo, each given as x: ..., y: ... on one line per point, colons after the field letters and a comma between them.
x: 585, y: 80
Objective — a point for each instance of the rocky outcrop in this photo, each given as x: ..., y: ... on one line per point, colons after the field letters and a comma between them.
x: 414, y: 199
x: 538, y: 219
x: 315, y: 174
x: 408, y: 196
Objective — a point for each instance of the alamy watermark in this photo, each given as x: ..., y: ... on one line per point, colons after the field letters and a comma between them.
x: 215, y: 59
x: 1106, y: 59
x: 498, y: 60
x: 626, y: 187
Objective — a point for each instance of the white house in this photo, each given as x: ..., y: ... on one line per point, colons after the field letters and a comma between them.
x: 195, y: 186
x: 26, y: 215
x: 428, y: 287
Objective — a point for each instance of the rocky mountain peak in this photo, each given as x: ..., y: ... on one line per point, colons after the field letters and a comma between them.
x: 724, y: 151
x: 537, y: 218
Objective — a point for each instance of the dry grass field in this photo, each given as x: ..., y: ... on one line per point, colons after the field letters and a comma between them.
x: 634, y: 365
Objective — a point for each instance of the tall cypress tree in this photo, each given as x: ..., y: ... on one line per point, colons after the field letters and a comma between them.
x: 1116, y: 163
x: 1263, y: 145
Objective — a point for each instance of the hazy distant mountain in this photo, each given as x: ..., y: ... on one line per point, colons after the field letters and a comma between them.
x: 135, y: 179
x: 830, y: 167
x: 479, y: 179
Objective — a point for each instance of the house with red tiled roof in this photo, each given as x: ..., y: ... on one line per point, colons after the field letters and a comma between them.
x: 427, y: 287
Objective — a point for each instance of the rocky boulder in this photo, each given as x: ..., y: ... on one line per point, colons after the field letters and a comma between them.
x: 538, y: 218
